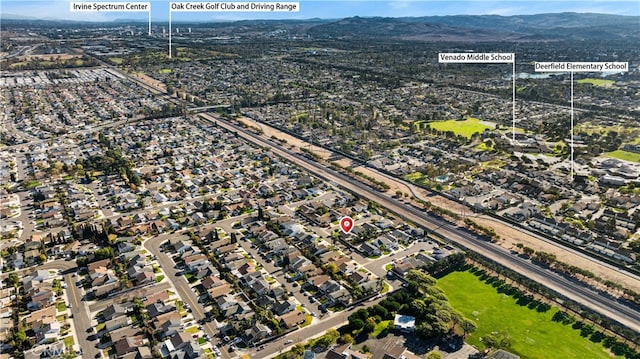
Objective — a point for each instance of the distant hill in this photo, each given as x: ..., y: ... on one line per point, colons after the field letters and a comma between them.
x: 464, y: 28
x: 405, y: 28
x: 528, y: 22
x: 486, y: 27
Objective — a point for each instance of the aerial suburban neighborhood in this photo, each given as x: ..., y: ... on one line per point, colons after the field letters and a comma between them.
x: 319, y: 188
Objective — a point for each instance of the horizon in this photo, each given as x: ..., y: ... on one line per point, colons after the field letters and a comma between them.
x: 58, y: 10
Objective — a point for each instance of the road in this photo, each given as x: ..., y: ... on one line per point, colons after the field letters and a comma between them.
x: 574, y: 291
x: 416, y: 193
x: 182, y: 287
x: 81, y: 319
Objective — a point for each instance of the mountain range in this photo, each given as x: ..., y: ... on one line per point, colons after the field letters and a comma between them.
x: 539, y: 27
x: 568, y: 26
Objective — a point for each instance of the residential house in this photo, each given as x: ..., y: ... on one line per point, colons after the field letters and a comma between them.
x: 369, y: 250
x: 114, y: 310
x: 41, y: 298
x: 404, y: 323
x: 180, y: 340
x: 292, y: 319
x: 156, y: 297
x: 195, y: 261
x: 399, y: 352
x: 180, y: 244
x: 128, y: 345
x: 228, y: 305
x: 359, y: 277
x: 344, y: 351
x: 116, y: 323
x: 170, y: 328
x: 157, y: 309
x: 47, y: 332
x: 124, y: 332
x: 45, y: 315
x: 283, y: 307
x: 316, y: 281
x: 161, y: 320
x: 219, y: 291
x: 256, y: 333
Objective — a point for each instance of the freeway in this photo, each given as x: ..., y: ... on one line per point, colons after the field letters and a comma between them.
x: 414, y: 191
x: 600, y: 303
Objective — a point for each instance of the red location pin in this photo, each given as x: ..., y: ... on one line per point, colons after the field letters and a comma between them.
x: 346, y: 224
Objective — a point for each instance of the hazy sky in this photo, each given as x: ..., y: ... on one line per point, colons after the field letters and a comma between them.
x: 59, y: 9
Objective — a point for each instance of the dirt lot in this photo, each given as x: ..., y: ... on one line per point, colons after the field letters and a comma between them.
x: 150, y: 81
x: 509, y: 235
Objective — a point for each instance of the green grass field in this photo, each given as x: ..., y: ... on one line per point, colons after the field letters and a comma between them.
x: 61, y: 306
x: 532, y: 334
x: 380, y: 327
x: 464, y: 128
x: 164, y: 71
x: 597, y: 82
x: 414, y: 177
x: 624, y: 155
x: 116, y: 60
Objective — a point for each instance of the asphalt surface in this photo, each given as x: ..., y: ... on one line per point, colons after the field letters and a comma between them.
x: 600, y: 303
x: 81, y: 319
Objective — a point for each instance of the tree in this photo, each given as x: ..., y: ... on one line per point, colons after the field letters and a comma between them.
x: 332, y: 335
x: 298, y: 349
x: 361, y: 314
x: 422, y: 279
x: 418, y: 307
x: 346, y: 338
x: 497, y: 341
x: 528, y: 251
x: 380, y: 310
x: 356, y: 324
x: 332, y: 268
x: 468, y: 326
x: 14, y: 280
x: 369, y: 325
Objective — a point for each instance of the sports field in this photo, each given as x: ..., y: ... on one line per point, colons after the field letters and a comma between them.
x: 531, y: 334
x: 624, y: 155
x: 464, y: 128
x: 597, y: 82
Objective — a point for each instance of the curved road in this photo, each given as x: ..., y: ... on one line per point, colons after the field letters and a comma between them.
x: 574, y: 291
